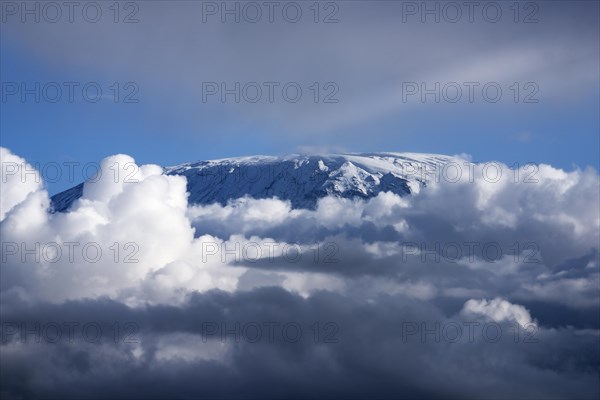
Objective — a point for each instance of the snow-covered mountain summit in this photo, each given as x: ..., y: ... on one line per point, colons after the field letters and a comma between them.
x: 301, y: 179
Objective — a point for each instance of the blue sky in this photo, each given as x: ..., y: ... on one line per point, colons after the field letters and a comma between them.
x: 369, y: 54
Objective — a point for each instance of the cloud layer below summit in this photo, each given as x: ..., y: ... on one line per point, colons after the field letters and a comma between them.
x: 506, y: 252
x: 537, y: 233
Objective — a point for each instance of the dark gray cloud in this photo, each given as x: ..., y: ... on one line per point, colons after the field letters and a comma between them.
x: 371, y: 354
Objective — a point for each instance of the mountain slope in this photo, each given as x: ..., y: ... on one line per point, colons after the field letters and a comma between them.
x: 301, y: 179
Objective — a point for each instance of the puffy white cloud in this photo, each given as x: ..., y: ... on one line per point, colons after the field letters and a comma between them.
x: 498, y: 310
x: 519, y: 234
x: 19, y: 179
x: 129, y: 227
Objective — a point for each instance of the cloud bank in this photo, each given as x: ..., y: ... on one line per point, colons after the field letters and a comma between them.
x: 470, y: 288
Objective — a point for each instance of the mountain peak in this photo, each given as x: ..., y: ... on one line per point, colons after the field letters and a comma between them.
x: 300, y: 178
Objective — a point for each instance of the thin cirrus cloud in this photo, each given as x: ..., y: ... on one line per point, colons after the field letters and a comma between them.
x: 179, y: 51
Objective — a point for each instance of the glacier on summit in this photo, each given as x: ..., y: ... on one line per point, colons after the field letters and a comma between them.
x: 301, y: 179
